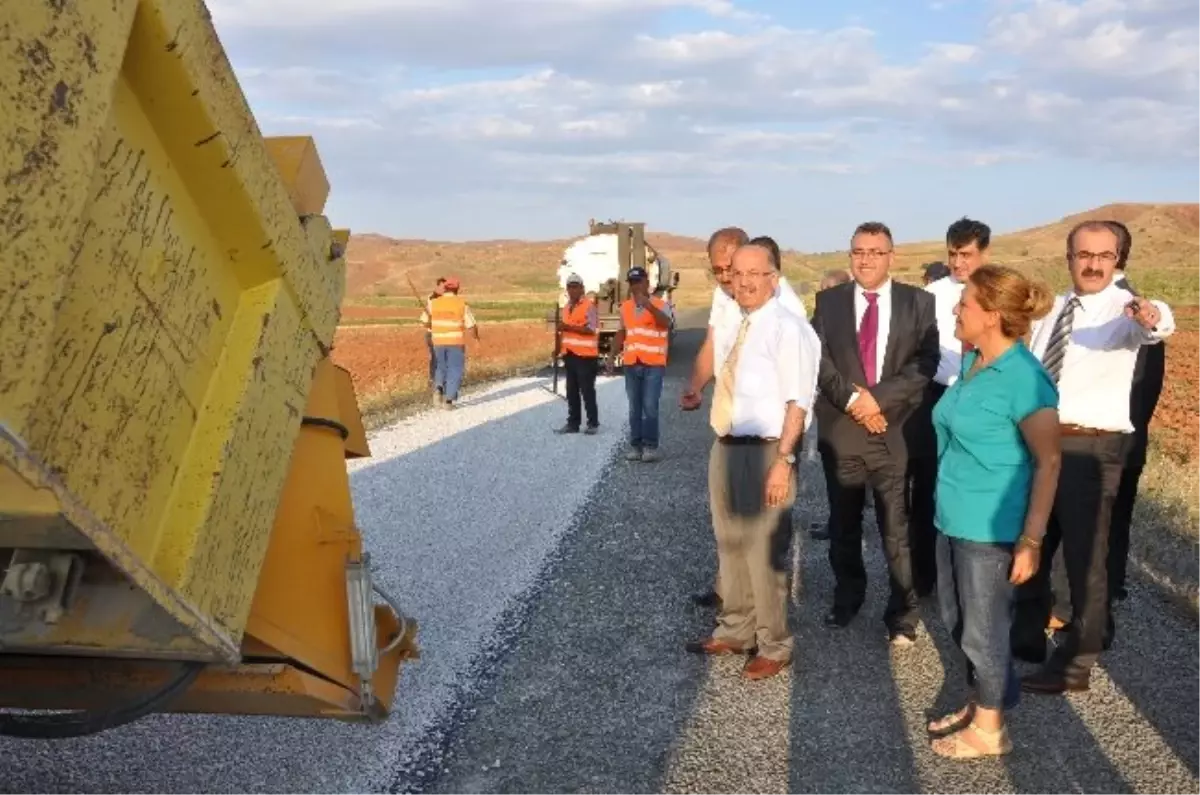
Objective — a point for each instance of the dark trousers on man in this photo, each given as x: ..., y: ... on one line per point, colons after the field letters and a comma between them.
x: 922, y: 485
x: 581, y: 388
x: 850, y: 475
x: 1122, y: 512
x: 1079, y: 521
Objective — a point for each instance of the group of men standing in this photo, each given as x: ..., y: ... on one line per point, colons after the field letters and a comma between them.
x: 873, y: 362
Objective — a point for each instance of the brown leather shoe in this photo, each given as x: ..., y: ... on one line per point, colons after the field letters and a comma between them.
x: 763, y: 668
x: 714, y: 647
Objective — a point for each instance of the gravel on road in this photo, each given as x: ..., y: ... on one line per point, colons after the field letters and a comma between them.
x: 460, y: 510
x: 598, y: 694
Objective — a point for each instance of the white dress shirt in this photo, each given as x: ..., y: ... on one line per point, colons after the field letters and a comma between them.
x: 883, y: 306
x: 775, y: 367
x: 946, y: 294
x: 1097, y: 368
x: 787, y: 296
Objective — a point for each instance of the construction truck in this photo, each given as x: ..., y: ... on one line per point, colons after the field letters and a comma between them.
x: 176, y: 527
x: 603, y: 259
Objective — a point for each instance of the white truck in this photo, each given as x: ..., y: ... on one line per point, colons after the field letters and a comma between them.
x: 602, y: 260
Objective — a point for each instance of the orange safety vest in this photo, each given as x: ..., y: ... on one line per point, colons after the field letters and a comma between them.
x: 448, y: 320
x: 586, y: 346
x: 645, y: 342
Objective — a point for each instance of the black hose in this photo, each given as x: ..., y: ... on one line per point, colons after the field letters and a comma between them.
x: 62, y: 725
x: 322, y: 422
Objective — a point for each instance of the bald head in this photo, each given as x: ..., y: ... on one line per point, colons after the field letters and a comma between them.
x: 833, y: 279
x: 721, y: 245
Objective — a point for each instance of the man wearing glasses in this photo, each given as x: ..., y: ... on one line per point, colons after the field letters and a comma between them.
x: 765, y: 384
x: 1089, y: 345
x: 879, y: 349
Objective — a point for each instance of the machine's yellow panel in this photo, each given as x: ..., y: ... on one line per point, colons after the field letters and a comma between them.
x: 162, y: 309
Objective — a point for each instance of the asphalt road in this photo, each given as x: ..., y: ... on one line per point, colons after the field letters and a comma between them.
x: 597, y: 695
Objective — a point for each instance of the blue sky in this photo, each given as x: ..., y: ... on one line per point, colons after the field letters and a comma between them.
x: 476, y: 119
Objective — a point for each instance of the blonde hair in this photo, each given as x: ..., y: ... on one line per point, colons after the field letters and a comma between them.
x: 1018, y: 299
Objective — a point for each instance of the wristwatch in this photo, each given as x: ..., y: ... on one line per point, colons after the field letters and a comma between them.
x: 790, y: 458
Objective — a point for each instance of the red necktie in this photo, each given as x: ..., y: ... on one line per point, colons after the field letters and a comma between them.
x: 868, y: 334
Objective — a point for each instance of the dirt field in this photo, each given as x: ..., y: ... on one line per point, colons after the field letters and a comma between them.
x: 1177, y: 419
x: 389, y: 364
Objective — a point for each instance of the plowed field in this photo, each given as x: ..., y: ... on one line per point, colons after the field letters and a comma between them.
x: 1177, y: 419
x: 390, y: 363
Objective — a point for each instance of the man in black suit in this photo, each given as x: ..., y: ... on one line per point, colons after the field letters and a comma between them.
x: 1147, y: 386
x: 879, y: 349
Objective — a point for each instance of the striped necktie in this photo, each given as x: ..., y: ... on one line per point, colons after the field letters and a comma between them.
x: 1056, y: 349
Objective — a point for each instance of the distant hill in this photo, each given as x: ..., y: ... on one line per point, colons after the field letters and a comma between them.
x: 1166, y: 247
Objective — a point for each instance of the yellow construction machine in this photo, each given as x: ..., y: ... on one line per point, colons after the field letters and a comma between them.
x: 176, y: 528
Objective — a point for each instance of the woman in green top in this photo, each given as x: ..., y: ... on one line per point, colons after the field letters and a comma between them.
x: 998, y: 461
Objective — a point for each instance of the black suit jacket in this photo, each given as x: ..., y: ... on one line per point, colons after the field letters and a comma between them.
x: 909, y: 363
x: 1145, y: 390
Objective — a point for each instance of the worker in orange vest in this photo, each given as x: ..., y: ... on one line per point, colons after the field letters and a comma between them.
x: 578, y: 328
x: 448, y: 320
x: 643, y: 341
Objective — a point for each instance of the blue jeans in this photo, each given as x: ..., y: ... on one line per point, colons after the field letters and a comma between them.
x: 643, y: 387
x: 451, y: 361
x: 976, y: 601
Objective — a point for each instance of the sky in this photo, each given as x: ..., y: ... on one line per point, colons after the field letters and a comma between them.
x: 799, y: 119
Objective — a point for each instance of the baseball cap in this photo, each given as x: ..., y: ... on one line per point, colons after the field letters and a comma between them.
x: 636, y: 274
x: 452, y: 283
x: 575, y: 278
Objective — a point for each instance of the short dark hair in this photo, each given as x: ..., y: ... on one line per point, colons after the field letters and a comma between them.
x: 1124, y: 242
x: 935, y: 270
x: 771, y: 246
x: 729, y: 235
x: 964, y: 231
x: 873, y: 228
x: 1093, y: 226
x: 441, y: 280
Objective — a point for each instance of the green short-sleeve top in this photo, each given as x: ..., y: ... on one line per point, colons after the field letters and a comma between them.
x: 985, y: 469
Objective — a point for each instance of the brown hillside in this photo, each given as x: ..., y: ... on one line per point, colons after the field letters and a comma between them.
x: 1164, y: 260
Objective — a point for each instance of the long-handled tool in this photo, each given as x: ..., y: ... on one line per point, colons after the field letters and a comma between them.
x: 553, y: 388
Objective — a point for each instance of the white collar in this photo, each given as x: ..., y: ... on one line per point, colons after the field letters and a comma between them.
x: 882, y: 290
x: 1090, y: 302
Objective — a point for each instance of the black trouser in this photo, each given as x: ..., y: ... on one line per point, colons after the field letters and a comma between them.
x: 1122, y: 512
x: 581, y: 381
x: 922, y: 485
x: 886, y: 474
x: 1087, y: 486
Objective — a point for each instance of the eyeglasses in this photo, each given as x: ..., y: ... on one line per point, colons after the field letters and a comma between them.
x: 744, y: 275
x: 859, y: 253
x: 1105, y: 257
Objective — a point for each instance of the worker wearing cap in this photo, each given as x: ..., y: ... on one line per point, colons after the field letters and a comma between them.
x: 643, y: 341
x: 448, y: 319
x: 578, y: 329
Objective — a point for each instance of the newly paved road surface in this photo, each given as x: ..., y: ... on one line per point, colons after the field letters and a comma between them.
x: 597, y: 694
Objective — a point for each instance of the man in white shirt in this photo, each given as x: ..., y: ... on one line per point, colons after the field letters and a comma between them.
x: 721, y: 245
x: 725, y: 311
x: 761, y: 404
x: 967, y: 249
x: 1089, y: 345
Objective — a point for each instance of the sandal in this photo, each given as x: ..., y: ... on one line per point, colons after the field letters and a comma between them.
x: 954, y: 722
x: 973, y: 742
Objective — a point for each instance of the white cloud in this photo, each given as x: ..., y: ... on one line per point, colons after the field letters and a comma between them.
x: 570, y: 96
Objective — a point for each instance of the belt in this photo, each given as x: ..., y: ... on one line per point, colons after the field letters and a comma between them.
x: 746, y: 439
x: 1079, y: 430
